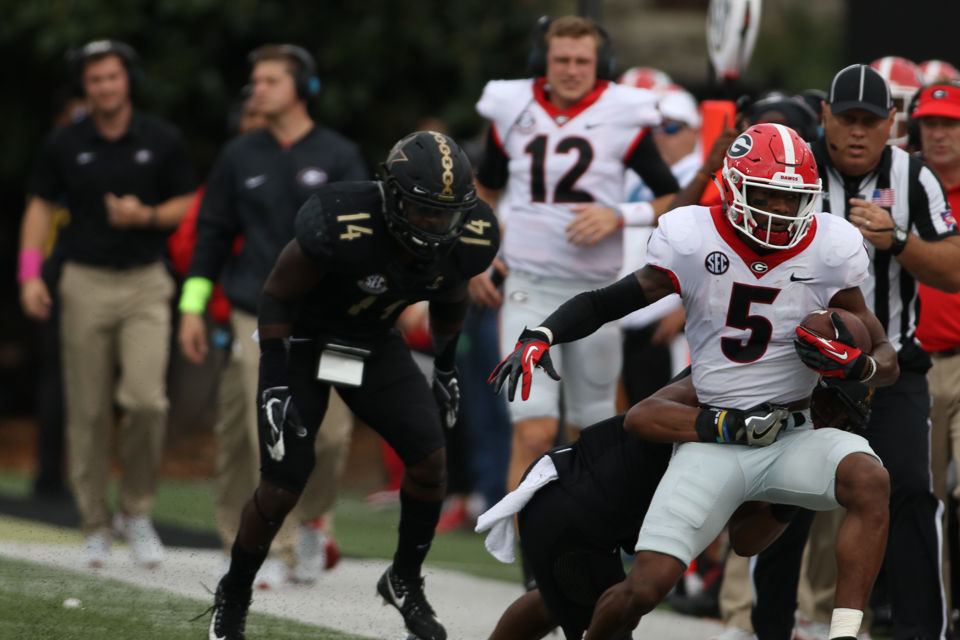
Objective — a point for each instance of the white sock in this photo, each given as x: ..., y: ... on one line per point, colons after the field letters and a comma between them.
x: 845, y: 623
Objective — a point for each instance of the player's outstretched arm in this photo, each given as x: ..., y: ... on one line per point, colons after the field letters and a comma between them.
x: 673, y: 414
x: 576, y: 318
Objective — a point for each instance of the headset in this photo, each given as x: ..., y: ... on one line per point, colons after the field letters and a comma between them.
x: 537, y: 60
x: 76, y: 58
x: 306, y: 80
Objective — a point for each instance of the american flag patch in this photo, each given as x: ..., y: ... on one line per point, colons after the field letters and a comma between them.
x: 948, y: 219
x: 883, y: 197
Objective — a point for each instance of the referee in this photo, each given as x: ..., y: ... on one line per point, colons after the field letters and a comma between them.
x: 902, y: 212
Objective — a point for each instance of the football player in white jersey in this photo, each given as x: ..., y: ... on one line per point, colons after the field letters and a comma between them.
x: 748, y: 273
x: 558, y: 150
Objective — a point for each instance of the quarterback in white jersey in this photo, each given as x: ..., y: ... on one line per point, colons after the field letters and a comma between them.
x: 748, y: 273
x: 557, y: 152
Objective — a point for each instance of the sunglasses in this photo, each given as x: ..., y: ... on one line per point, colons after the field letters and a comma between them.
x: 670, y: 128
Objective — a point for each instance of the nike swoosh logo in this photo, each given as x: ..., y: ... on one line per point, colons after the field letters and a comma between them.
x: 759, y: 434
x: 254, y: 181
x: 592, y: 125
x: 528, y: 357
x: 795, y: 278
x: 827, y: 348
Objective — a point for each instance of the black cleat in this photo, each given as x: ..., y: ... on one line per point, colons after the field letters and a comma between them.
x: 229, y: 613
x: 406, y: 594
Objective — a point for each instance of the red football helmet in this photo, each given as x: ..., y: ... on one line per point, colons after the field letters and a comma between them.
x: 646, y: 78
x: 774, y: 157
x: 934, y: 71
x: 905, y: 79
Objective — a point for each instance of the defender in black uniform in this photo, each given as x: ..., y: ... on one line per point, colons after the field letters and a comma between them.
x: 573, y: 528
x: 364, y: 251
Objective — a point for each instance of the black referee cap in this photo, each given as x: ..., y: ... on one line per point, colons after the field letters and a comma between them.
x: 860, y: 87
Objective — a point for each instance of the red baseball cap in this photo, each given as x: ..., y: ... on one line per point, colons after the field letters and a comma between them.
x: 939, y: 100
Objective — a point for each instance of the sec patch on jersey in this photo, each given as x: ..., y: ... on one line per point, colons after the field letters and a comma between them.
x: 819, y: 322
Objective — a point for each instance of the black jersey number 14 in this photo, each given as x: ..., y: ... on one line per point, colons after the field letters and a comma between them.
x: 565, y: 191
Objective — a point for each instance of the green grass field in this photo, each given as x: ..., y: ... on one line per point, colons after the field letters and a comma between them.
x: 32, y: 608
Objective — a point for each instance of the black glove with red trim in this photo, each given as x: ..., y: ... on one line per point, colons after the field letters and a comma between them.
x: 838, y: 358
x: 532, y: 350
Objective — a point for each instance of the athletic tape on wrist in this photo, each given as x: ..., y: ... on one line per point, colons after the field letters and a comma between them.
x: 196, y: 292
x: 29, y: 262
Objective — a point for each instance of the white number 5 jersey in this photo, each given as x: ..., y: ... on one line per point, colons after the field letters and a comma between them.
x: 558, y: 159
x: 742, y: 307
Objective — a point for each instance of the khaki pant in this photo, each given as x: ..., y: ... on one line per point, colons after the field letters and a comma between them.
x: 944, y: 380
x: 238, y: 449
x: 818, y: 577
x: 112, y: 321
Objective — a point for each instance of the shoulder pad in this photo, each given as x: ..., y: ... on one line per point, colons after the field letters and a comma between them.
x: 502, y: 101
x: 840, y: 239
x: 312, y: 230
x: 480, y: 241
x: 681, y: 227
x: 641, y: 104
x: 342, y: 221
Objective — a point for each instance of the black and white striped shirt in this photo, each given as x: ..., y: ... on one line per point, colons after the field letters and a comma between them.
x: 913, y: 195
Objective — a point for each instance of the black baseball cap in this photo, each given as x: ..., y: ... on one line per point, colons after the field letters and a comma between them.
x: 859, y: 86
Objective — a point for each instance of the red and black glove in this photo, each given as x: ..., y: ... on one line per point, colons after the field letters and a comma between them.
x: 838, y: 358
x: 532, y: 350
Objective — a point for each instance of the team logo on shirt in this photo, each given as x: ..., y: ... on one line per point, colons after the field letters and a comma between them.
x: 526, y: 122
x: 741, y: 146
x: 948, y: 219
x: 312, y: 177
x: 759, y: 267
x: 717, y: 263
x: 143, y: 156
x: 85, y: 157
x: 374, y: 284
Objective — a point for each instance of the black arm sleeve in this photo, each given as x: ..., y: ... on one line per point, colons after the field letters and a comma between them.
x: 649, y: 165
x: 217, y: 225
x: 586, y: 312
x: 492, y: 171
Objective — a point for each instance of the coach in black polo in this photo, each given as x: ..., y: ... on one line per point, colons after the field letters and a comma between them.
x: 126, y: 180
x: 902, y: 212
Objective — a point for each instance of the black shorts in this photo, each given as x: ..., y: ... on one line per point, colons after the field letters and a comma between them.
x: 394, y: 399
x: 572, y: 566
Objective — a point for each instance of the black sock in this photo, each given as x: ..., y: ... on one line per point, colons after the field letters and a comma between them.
x: 418, y: 521
x: 243, y: 567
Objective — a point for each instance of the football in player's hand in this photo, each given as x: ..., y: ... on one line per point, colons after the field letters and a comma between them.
x: 819, y: 322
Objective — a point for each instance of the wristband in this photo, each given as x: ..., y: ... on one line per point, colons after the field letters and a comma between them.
x: 29, y: 262
x: 872, y: 366
x: 637, y: 214
x: 545, y: 332
x: 711, y: 426
x: 196, y: 292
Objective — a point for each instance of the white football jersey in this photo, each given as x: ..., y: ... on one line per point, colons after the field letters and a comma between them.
x: 558, y: 159
x: 743, y: 307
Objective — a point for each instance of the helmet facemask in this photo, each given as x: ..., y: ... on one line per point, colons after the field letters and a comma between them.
x: 766, y: 229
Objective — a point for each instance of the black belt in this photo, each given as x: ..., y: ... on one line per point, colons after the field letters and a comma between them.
x: 946, y: 353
